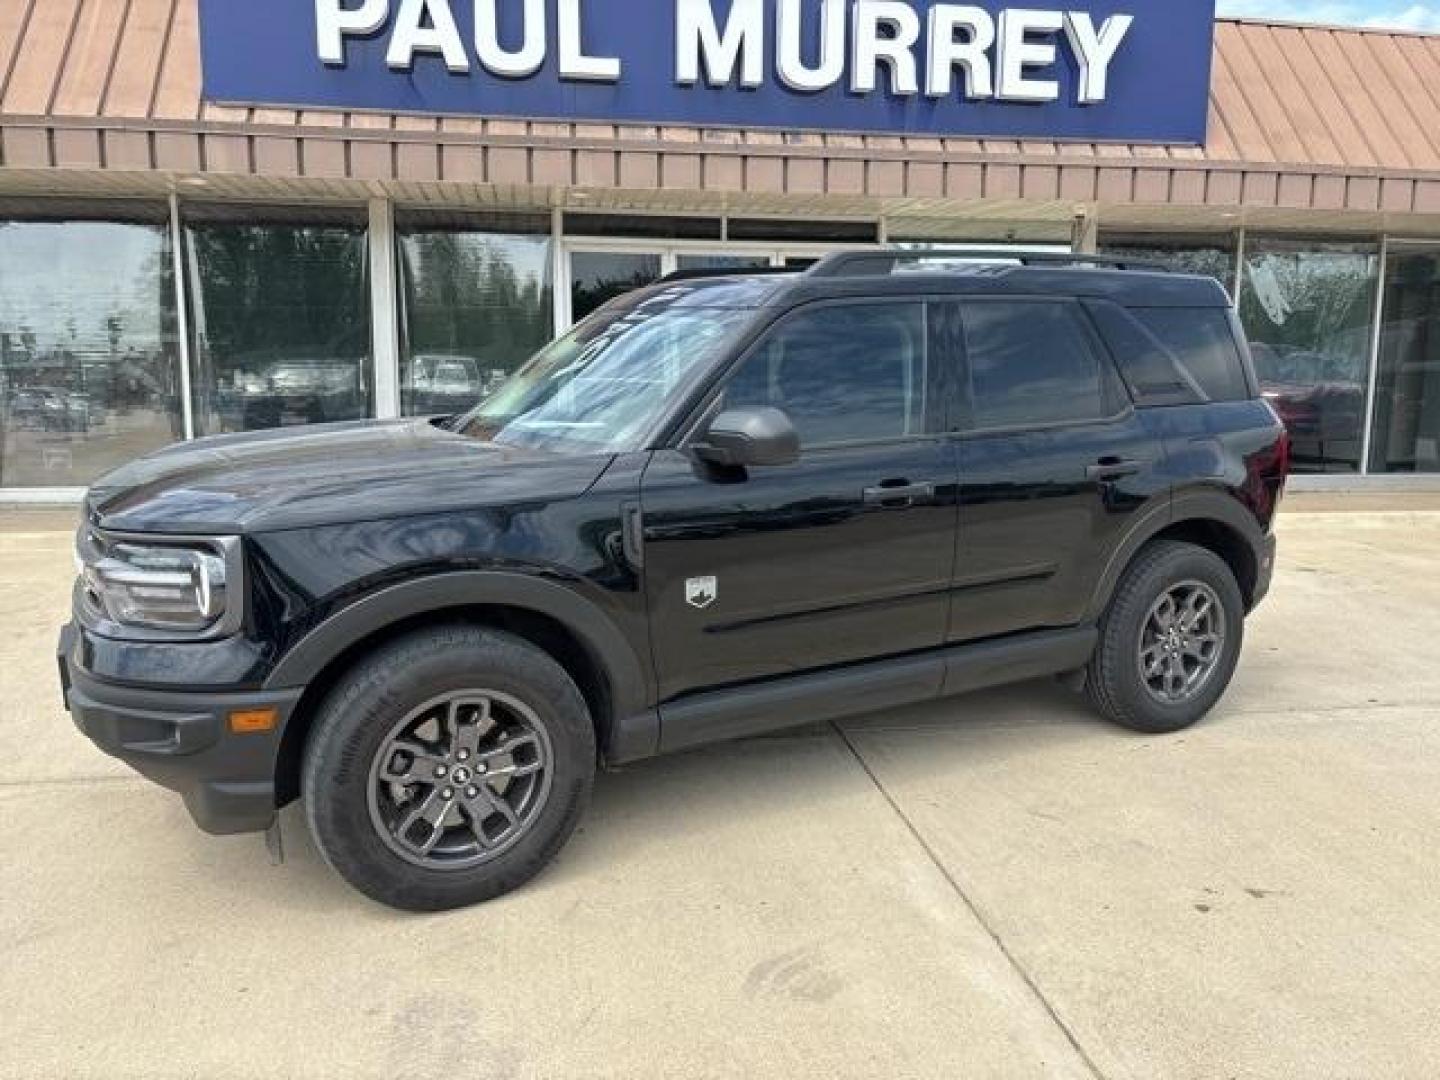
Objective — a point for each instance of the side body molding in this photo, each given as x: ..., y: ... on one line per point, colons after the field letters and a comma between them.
x: 634, y: 730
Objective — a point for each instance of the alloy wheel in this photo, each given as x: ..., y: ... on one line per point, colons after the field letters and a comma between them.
x: 459, y: 780
x: 1181, y: 642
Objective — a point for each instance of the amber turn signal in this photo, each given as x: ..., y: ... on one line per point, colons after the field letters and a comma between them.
x: 254, y: 721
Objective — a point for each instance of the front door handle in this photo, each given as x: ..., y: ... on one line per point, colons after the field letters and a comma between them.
x: 898, y: 494
x: 1113, y: 468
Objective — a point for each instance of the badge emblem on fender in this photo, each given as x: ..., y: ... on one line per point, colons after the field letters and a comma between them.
x: 701, y: 592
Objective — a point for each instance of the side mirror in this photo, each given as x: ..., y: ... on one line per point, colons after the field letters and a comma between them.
x: 747, y: 437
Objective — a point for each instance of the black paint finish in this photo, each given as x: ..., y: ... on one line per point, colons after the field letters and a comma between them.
x: 811, y: 573
x: 1036, y: 524
x: 860, y: 574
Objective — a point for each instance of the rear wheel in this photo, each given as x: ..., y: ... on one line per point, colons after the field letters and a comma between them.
x: 448, y: 768
x: 1169, y: 641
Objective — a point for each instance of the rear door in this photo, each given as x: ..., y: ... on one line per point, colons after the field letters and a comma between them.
x: 843, y: 556
x: 1054, y: 464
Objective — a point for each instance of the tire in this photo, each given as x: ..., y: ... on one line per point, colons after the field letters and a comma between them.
x: 423, y: 702
x: 1115, y: 680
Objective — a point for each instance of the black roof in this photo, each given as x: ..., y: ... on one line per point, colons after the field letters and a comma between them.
x: 1062, y: 276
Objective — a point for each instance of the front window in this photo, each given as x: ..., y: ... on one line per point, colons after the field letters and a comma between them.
x: 477, y: 295
x: 89, y: 362
x: 602, y: 386
x: 842, y: 373
x: 280, y: 316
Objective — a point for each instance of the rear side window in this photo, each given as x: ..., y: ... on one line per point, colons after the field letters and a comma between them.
x: 1032, y: 364
x: 1201, y: 341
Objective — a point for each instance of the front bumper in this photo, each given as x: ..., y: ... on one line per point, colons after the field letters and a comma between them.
x: 182, y: 741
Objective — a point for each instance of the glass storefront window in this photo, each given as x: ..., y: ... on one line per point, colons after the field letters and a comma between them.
x: 721, y: 262
x: 803, y: 229
x: 644, y: 226
x: 89, y: 369
x: 1308, y: 310
x: 478, y: 302
x: 597, y: 277
x: 1213, y: 256
x: 280, y: 309
x: 1407, y: 390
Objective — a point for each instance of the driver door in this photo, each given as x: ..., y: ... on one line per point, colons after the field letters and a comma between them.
x: 845, y: 555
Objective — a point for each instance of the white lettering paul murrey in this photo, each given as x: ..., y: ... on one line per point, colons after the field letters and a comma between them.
x: 1002, y: 57
x: 428, y: 27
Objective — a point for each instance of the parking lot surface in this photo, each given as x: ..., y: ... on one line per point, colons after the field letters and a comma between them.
x: 996, y: 886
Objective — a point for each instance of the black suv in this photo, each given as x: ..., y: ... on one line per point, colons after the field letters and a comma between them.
x: 720, y: 505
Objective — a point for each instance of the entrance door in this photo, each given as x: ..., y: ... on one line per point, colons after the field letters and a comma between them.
x: 843, y: 556
x: 1406, y: 437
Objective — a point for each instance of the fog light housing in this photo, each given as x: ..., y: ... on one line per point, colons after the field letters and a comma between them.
x: 254, y: 721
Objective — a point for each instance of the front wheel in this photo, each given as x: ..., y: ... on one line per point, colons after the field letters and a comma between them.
x: 448, y: 768
x: 1169, y: 641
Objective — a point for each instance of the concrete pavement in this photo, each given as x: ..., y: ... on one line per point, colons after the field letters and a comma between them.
x: 995, y: 886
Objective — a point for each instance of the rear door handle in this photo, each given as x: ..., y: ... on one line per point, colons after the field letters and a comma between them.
x: 1112, y: 468
x: 898, y: 494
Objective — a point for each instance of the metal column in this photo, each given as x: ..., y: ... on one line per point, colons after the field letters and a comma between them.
x: 1372, y: 379
x: 182, y: 316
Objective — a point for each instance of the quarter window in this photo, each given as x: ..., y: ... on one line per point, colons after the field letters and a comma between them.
x: 1202, y: 342
x: 843, y: 373
x: 1031, y: 364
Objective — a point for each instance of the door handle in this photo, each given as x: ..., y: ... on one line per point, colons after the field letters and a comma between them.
x: 1113, y: 468
x: 898, y: 494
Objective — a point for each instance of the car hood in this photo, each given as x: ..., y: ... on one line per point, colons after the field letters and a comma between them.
x: 328, y: 473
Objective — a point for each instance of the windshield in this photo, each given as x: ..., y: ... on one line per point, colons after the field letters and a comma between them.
x: 604, y: 384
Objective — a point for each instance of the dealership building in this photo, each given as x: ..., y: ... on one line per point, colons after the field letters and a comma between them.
x: 219, y: 216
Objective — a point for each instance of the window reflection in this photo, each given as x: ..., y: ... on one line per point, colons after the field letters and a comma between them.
x: 281, y: 312
x: 721, y: 262
x: 1307, y: 309
x: 1030, y: 365
x: 597, y: 277
x: 1407, y: 399
x: 478, y: 304
x: 844, y: 373
x: 89, y: 375
x: 602, y: 386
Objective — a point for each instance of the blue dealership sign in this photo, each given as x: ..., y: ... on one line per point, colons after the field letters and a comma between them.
x: 1094, y: 70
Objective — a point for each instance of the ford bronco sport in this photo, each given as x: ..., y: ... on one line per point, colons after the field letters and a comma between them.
x: 719, y: 505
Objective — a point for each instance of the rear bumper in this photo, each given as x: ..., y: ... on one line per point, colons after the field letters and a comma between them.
x: 1264, y: 569
x: 183, y: 741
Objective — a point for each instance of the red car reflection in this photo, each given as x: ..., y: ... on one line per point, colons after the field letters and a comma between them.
x: 1325, y: 417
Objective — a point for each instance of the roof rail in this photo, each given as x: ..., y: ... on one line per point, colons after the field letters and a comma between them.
x: 873, y: 263
x: 699, y: 272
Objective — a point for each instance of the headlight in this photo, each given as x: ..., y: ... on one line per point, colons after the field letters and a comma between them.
x: 180, y: 587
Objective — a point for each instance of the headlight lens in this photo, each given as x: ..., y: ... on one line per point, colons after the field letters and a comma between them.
x: 156, y: 587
